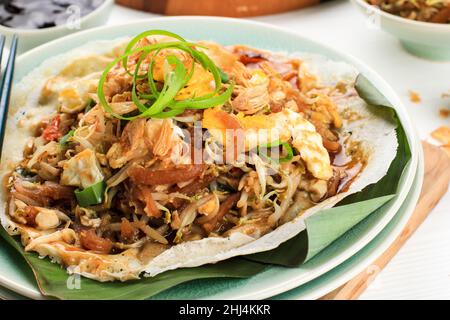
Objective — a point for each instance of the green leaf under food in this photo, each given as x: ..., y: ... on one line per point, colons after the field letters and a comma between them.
x: 322, y: 229
x: 389, y: 183
x: 54, y: 281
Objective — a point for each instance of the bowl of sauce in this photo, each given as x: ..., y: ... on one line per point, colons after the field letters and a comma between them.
x: 40, y: 21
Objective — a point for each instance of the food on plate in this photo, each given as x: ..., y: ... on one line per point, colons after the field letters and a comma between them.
x: 436, y: 11
x: 129, y: 158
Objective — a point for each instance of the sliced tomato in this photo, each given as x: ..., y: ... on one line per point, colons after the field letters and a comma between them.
x: 51, y: 132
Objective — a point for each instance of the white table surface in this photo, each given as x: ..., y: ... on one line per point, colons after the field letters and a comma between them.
x: 421, y: 270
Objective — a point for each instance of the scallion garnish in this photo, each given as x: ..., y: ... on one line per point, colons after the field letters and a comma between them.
x: 223, y: 76
x: 64, y: 139
x: 89, y: 105
x: 91, y: 195
x: 286, y: 147
x: 162, y: 103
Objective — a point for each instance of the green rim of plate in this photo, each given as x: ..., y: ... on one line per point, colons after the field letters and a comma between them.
x: 228, y: 31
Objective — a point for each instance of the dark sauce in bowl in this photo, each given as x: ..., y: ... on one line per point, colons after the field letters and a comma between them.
x: 39, y: 14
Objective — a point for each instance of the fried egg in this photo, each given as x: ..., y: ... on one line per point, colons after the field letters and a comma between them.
x: 260, y: 130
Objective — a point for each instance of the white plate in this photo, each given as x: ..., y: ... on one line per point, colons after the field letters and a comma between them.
x: 228, y: 31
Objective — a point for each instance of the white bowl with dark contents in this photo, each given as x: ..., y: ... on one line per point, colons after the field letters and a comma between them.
x: 39, y: 21
x: 421, y: 33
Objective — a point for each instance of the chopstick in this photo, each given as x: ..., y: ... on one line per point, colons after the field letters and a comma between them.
x: 2, y: 44
x: 6, y: 86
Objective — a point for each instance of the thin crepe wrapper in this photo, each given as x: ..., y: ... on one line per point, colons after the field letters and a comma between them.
x: 321, y: 230
x: 54, y: 281
x: 372, y: 128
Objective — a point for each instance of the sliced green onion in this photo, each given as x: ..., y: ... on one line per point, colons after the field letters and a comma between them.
x: 134, y: 97
x: 224, y: 76
x: 92, y: 195
x: 150, y: 80
x: 148, y: 96
x: 91, y: 103
x: 100, y: 90
x: 173, y: 82
x: 289, y: 151
x: 64, y: 139
x: 174, y: 79
x: 145, y: 34
x: 168, y: 114
x: 205, y: 103
x: 286, y: 146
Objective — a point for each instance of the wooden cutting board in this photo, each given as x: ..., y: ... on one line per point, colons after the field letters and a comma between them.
x: 226, y: 8
x: 435, y: 185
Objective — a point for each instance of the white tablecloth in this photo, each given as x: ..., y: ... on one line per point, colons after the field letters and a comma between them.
x: 421, y: 270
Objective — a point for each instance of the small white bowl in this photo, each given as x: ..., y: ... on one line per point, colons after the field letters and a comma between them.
x: 424, y: 39
x: 30, y: 38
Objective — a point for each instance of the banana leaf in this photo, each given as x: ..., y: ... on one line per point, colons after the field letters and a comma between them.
x: 54, y: 281
x: 321, y: 229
